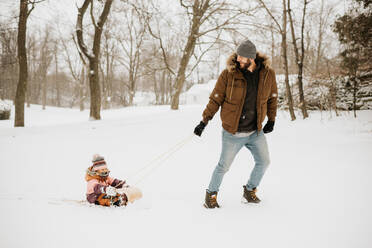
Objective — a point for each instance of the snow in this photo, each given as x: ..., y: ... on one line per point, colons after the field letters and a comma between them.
x: 316, y: 192
x: 142, y: 98
x: 4, y: 106
x: 198, y: 93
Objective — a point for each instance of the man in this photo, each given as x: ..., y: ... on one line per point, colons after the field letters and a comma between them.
x: 246, y: 91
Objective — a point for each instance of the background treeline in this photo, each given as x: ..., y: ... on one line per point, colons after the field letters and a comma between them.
x: 164, y: 48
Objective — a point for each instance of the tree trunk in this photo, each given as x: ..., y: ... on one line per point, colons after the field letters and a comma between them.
x: 104, y: 87
x: 58, y: 95
x: 299, y: 59
x: 131, y: 87
x: 156, y: 88
x: 355, y: 89
x: 94, y: 59
x: 95, y: 91
x: 81, y: 88
x: 31, y: 54
x: 22, y: 60
x: 332, y: 90
x: 163, y: 87
x: 44, y: 97
x: 108, y: 83
x: 320, y: 38
x: 301, y: 65
x: 285, y: 58
x: 180, y: 79
x: 199, y: 9
x: 272, y: 43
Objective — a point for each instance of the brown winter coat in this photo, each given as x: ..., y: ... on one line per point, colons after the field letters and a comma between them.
x: 230, y: 91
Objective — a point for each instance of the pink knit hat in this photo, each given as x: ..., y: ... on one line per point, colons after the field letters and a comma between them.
x: 98, y: 162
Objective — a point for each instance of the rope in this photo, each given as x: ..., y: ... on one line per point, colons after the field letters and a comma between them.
x: 160, y: 159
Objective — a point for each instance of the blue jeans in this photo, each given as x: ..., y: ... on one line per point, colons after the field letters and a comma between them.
x: 231, y: 145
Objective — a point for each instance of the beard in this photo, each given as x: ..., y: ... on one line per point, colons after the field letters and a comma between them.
x: 244, y: 66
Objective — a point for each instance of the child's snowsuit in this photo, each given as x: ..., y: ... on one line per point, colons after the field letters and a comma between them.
x: 99, y: 188
x: 96, y: 191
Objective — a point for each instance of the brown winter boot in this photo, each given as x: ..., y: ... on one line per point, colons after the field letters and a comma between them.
x: 250, y: 195
x: 211, y: 200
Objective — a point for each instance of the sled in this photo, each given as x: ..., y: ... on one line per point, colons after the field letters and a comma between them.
x: 132, y: 193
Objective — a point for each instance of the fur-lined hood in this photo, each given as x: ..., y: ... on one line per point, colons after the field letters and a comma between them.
x: 231, y: 62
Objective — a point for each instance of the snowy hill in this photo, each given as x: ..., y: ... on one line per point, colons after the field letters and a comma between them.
x: 4, y: 110
x: 198, y: 93
x: 316, y: 192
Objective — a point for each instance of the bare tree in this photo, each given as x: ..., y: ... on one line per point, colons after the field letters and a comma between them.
x: 200, y: 11
x: 58, y: 88
x: 132, y: 45
x: 8, y: 61
x: 32, y: 67
x: 77, y: 71
x: 153, y: 67
x: 299, y: 57
x: 110, y: 55
x: 324, y: 15
x: 24, y: 13
x: 46, y: 56
x: 332, y: 90
x: 283, y: 31
x: 83, y: 76
x: 94, y: 57
x: 205, y: 17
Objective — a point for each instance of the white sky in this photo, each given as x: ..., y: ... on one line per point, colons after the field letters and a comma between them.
x: 66, y: 10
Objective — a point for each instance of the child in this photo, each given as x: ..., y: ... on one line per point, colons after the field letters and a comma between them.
x: 107, y: 191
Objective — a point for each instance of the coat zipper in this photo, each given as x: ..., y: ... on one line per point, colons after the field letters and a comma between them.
x: 263, y: 86
x: 241, y: 108
x: 232, y: 87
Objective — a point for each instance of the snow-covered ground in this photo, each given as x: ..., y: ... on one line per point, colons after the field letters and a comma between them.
x: 4, y: 106
x: 316, y: 192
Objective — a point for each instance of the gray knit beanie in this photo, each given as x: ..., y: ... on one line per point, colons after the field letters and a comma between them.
x: 247, y: 49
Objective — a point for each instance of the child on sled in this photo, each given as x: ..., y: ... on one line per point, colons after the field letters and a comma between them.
x: 107, y: 191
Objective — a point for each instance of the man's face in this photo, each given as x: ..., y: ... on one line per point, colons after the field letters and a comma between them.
x: 244, y: 62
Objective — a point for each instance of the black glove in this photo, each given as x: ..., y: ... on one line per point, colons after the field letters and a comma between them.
x: 268, y: 128
x: 199, y: 128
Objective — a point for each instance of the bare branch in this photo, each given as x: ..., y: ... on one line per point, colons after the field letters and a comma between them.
x: 30, y: 10
x: 269, y: 12
x: 77, y: 48
x: 162, y: 48
x: 79, y: 29
x: 34, y: 2
x: 203, y: 53
x: 123, y: 63
x: 33, y: 5
x: 218, y: 27
x: 212, y: 12
x: 184, y: 5
x: 293, y: 32
x: 105, y: 13
x: 92, y: 14
x: 69, y: 62
x: 306, y: 2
